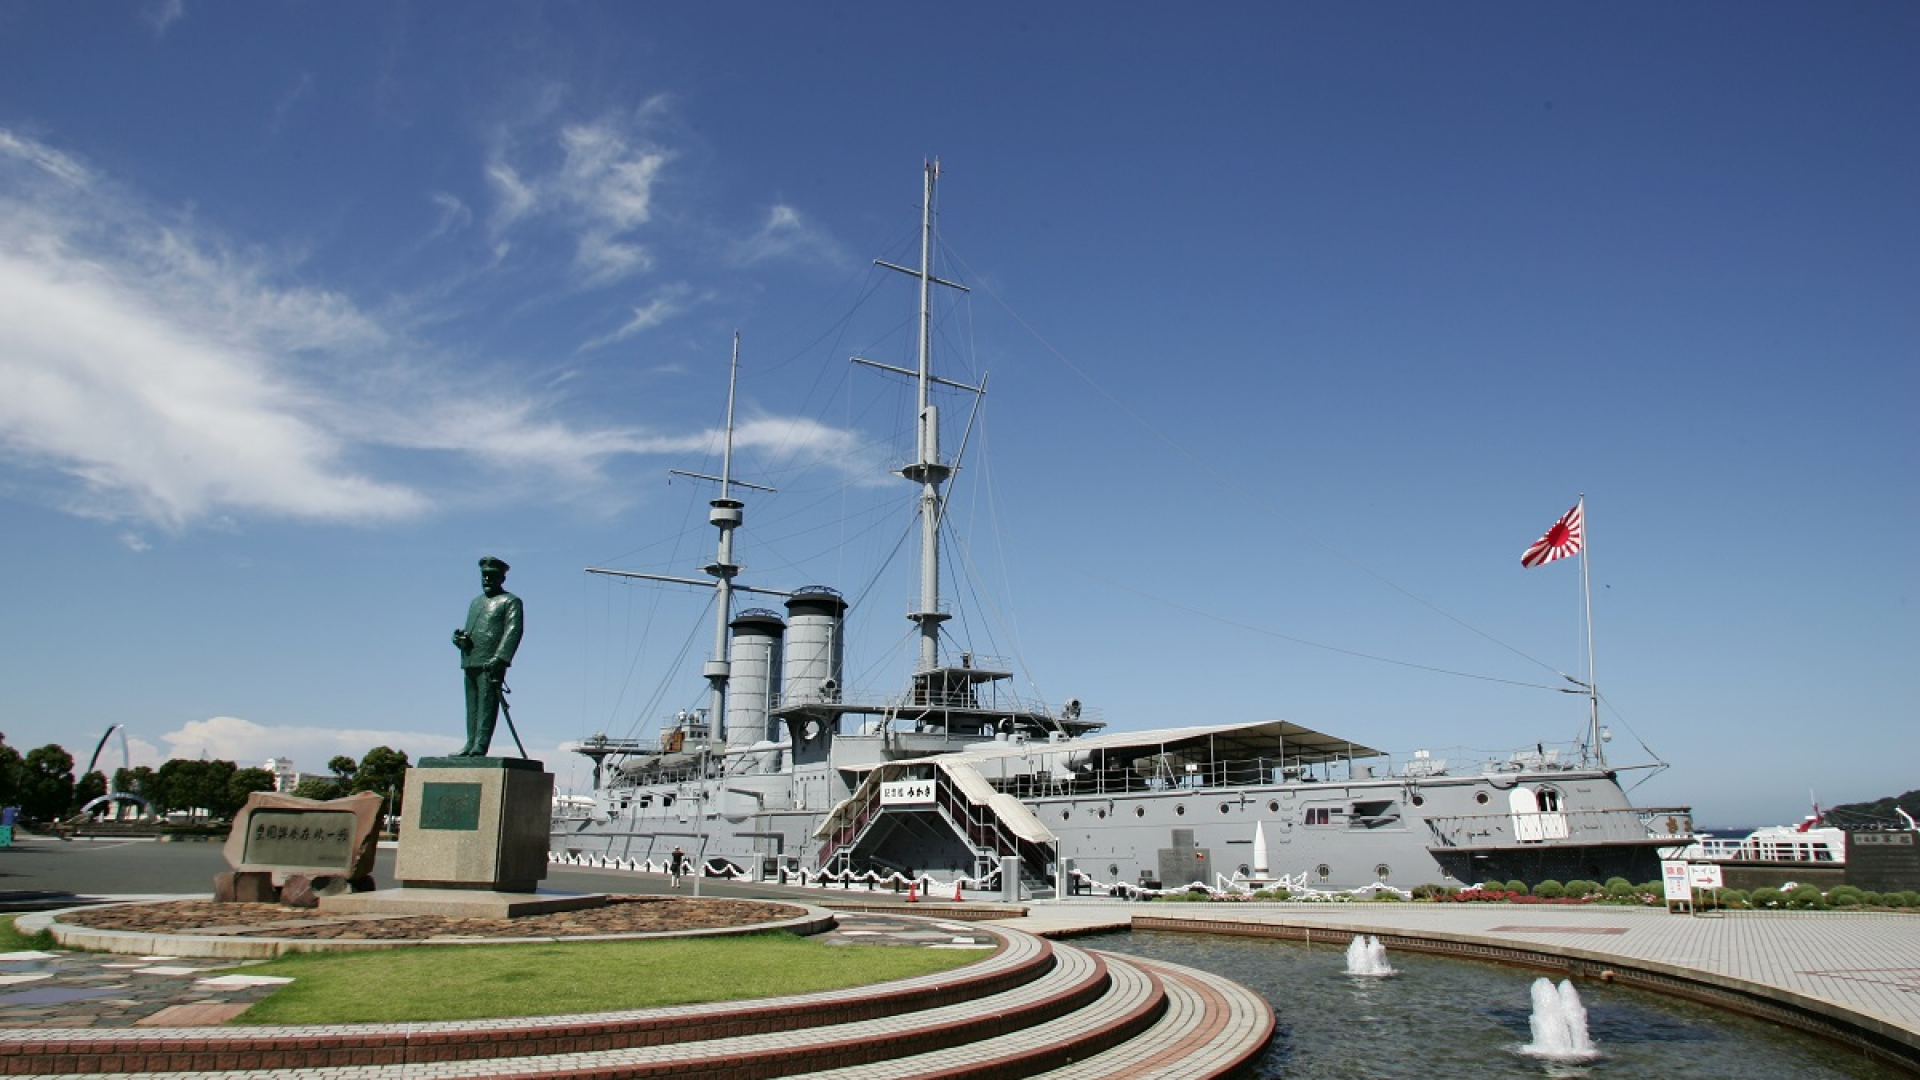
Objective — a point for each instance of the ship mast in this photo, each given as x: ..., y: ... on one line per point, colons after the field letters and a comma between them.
x: 927, y: 470
x: 726, y: 514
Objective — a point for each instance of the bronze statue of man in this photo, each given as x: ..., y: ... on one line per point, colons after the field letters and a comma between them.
x: 487, y: 644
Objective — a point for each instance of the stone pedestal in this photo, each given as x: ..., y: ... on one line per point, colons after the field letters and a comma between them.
x: 475, y: 823
x: 473, y: 844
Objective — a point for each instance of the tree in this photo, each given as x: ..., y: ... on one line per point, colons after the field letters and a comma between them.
x: 11, y: 767
x: 195, y: 786
x: 384, y: 772
x: 46, y: 783
x: 135, y: 781
x: 245, y: 782
x: 343, y: 767
x: 317, y: 787
x: 90, y: 787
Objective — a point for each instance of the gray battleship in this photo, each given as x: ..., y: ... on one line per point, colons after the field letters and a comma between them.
x: 790, y: 774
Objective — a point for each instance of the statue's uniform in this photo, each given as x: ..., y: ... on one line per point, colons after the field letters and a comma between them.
x: 494, y: 625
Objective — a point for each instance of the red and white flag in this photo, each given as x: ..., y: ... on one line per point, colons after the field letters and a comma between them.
x: 1562, y: 540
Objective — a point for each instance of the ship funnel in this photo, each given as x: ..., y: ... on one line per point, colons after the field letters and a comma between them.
x: 815, y: 646
x: 755, y: 680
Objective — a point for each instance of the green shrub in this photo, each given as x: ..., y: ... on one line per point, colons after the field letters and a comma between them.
x: 1767, y: 897
x: 1845, y: 896
x: 1806, y: 897
x: 1909, y: 898
x: 1620, y: 889
x: 1386, y: 896
x: 1581, y: 887
x: 1869, y: 898
x: 1550, y: 890
x: 1427, y: 891
x: 1734, y: 898
x: 1516, y: 885
x: 1273, y: 894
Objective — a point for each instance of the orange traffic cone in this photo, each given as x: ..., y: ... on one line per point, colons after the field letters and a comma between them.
x: 956, y: 890
x: 913, y: 889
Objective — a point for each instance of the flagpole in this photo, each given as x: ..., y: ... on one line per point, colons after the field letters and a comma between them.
x: 1586, y: 602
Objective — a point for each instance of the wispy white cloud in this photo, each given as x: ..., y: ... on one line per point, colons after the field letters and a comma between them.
x: 162, y: 14
x: 454, y: 214
x: 44, y: 158
x: 787, y: 234
x: 170, y: 380
x: 595, y: 179
x: 144, y: 366
x: 159, y: 377
x: 301, y: 88
x: 665, y: 304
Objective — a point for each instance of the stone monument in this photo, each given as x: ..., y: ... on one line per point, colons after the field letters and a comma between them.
x: 473, y: 828
x: 292, y: 850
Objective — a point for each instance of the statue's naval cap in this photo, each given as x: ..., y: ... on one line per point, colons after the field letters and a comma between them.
x: 488, y: 562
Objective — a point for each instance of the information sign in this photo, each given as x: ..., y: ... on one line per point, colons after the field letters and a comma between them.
x: 1677, y: 881
x: 906, y: 793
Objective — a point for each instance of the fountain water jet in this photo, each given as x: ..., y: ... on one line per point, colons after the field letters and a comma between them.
x: 1366, y: 956
x: 1559, y: 1023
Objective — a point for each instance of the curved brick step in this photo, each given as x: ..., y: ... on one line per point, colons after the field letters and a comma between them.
x: 1212, y: 1028
x: 1135, y: 1001
x: 1021, y: 961
x: 1201, y: 1027
x: 1074, y: 980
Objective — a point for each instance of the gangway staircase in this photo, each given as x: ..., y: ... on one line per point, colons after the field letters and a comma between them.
x: 989, y: 825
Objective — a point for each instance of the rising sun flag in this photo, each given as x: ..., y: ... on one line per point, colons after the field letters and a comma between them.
x: 1560, y: 541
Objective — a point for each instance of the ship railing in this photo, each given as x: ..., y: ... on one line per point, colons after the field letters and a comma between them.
x: 983, y: 829
x: 1563, y: 828
x: 1177, y: 776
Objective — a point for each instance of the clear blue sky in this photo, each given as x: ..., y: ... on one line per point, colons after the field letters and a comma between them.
x: 1302, y: 322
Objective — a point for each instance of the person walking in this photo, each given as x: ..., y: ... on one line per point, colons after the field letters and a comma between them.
x: 676, y: 865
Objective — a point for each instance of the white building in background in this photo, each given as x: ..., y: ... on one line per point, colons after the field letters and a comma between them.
x: 285, y: 776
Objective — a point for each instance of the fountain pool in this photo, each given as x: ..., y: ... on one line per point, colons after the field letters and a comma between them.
x: 1446, y: 1016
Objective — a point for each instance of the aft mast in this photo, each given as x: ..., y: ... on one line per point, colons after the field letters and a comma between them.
x: 945, y: 694
x: 928, y: 469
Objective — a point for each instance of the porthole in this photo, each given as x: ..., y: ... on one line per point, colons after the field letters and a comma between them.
x: 1100, y: 814
x: 1324, y: 871
x: 1113, y: 871
x: 1226, y: 807
x: 1419, y: 800
x: 1180, y: 808
x: 1382, y: 872
x: 1245, y: 870
x: 1065, y: 814
x: 1480, y: 797
x: 1139, y: 811
x: 1273, y: 805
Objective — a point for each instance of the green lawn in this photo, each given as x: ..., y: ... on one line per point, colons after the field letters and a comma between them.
x: 467, y: 982
x: 12, y: 940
